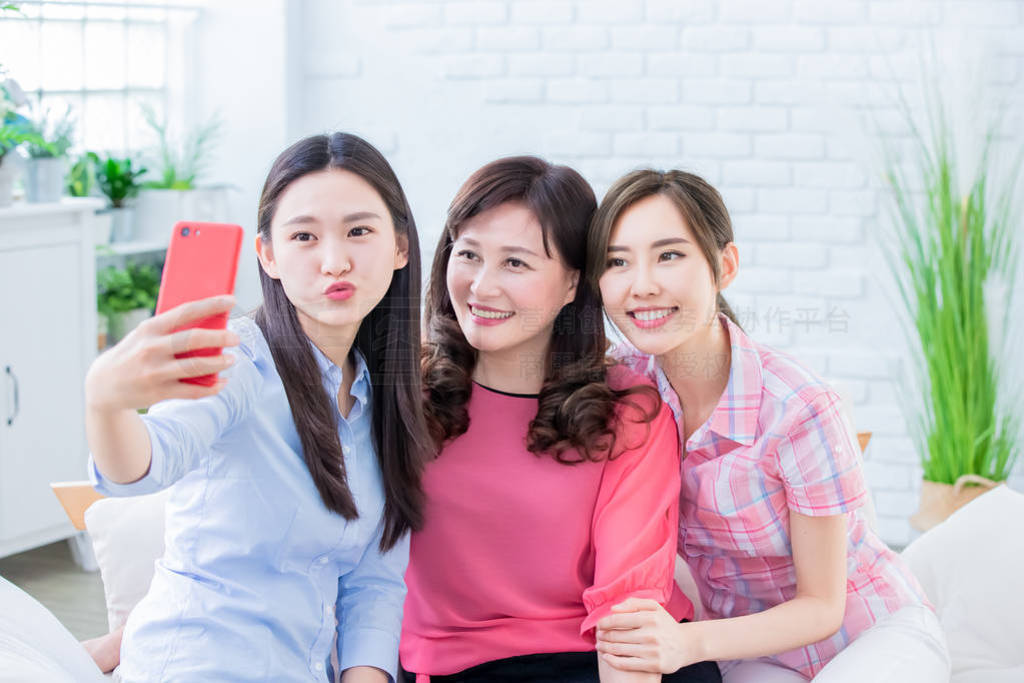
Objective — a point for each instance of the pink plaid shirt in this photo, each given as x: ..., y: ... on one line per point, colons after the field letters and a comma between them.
x: 775, y: 442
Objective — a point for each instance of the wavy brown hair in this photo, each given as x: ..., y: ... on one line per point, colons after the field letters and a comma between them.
x: 388, y: 338
x: 700, y: 205
x: 576, y: 411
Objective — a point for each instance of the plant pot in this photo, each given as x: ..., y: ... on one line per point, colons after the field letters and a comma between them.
x: 122, y: 224
x: 8, y: 171
x: 939, y: 501
x: 120, y: 324
x: 44, y: 179
x: 156, y: 211
x: 102, y: 227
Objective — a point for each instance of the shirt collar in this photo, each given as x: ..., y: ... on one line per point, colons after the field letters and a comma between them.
x: 735, y: 416
x: 360, y: 390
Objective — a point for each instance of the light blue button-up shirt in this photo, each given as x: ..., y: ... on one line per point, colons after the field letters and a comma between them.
x: 258, y: 576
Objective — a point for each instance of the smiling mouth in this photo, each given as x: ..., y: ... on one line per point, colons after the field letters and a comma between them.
x: 652, y: 314
x: 490, y: 315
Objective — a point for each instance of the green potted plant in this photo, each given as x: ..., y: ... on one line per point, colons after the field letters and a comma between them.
x: 171, y: 192
x: 46, y: 164
x: 125, y: 297
x: 119, y: 182
x: 956, y: 235
x: 81, y: 182
x: 15, y: 131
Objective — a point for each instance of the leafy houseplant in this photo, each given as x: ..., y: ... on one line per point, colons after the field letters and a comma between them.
x: 119, y: 182
x: 181, y: 163
x: 955, y: 241
x: 82, y: 175
x: 47, y: 161
x: 15, y: 130
x: 126, y: 296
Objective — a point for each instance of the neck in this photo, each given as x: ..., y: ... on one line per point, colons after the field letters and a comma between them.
x: 519, y: 370
x: 698, y: 369
x: 334, y: 342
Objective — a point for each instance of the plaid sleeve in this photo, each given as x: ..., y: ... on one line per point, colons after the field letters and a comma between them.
x: 820, y: 462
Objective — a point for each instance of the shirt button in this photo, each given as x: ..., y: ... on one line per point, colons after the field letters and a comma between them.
x: 322, y: 560
x: 319, y: 666
x: 347, y: 450
x: 329, y: 609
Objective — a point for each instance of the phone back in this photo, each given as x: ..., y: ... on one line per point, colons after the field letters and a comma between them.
x: 202, y: 261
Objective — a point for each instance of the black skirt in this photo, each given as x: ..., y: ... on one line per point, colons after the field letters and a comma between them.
x: 558, y: 667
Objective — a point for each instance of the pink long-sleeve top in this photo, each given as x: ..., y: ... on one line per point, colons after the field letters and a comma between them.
x: 521, y: 554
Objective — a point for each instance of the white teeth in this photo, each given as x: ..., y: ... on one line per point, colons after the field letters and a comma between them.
x: 652, y: 315
x: 490, y: 315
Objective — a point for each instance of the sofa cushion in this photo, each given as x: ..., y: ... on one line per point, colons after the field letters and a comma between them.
x: 970, y: 567
x: 128, y: 537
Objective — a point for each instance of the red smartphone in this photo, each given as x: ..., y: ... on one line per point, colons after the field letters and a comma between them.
x: 202, y: 261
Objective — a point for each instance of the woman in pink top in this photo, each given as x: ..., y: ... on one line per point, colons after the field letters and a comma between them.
x: 794, y: 582
x: 554, y: 495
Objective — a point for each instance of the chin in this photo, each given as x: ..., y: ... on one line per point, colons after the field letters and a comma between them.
x: 483, y: 342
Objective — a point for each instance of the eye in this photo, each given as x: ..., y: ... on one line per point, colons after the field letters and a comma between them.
x: 615, y: 262
x: 466, y: 254
x: 303, y: 236
x: 516, y: 264
x: 670, y: 256
x: 359, y: 231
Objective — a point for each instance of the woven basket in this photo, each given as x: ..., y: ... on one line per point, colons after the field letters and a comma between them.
x: 939, y: 501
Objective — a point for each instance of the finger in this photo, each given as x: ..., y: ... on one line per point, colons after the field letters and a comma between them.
x: 199, y: 338
x: 627, y: 620
x: 629, y: 663
x: 636, y: 605
x: 625, y: 649
x: 189, y: 312
x: 633, y: 635
x: 193, y: 391
x: 197, y: 366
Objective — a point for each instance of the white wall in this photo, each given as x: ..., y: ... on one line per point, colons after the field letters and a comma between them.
x: 242, y: 66
x: 771, y: 101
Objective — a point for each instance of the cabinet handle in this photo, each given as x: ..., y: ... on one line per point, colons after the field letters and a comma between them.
x: 17, y: 407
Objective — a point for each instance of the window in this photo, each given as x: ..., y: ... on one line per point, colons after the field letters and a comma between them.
x: 106, y: 60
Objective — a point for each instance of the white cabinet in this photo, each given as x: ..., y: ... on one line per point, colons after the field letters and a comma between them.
x: 47, y: 340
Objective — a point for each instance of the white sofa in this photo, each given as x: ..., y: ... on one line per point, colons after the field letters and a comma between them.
x: 970, y: 566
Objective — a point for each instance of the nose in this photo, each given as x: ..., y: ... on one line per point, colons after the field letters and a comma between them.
x: 644, y: 283
x: 484, y: 283
x: 334, y: 258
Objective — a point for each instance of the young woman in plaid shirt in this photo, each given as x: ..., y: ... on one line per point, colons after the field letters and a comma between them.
x: 794, y: 583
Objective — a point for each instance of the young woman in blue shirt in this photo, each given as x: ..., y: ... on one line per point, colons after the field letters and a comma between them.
x: 297, y: 476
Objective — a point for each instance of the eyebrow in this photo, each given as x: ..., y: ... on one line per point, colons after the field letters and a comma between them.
x: 655, y: 244
x: 350, y: 218
x: 509, y: 250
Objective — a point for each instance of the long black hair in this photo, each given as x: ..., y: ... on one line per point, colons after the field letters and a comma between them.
x: 388, y: 338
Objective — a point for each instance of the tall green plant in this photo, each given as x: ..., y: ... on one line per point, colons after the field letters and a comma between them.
x: 953, y: 243
x: 181, y: 163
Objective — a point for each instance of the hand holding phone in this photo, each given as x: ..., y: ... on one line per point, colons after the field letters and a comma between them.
x: 202, y: 262
x: 147, y: 366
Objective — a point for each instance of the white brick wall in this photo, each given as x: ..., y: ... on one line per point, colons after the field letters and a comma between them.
x: 771, y: 101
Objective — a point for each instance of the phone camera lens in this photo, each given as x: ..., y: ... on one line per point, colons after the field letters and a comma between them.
x: 184, y: 232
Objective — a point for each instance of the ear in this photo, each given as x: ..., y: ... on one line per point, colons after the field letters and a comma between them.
x: 401, y: 252
x: 729, y: 264
x: 570, y: 295
x: 265, y: 253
